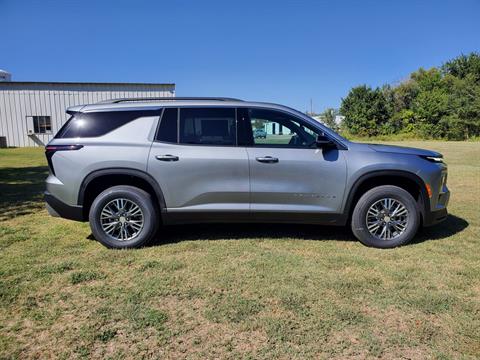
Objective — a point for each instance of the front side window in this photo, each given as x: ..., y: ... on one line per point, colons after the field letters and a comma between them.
x: 207, y: 126
x: 41, y: 124
x: 276, y: 129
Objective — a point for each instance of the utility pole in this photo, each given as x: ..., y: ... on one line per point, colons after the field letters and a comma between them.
x: 311, y: 106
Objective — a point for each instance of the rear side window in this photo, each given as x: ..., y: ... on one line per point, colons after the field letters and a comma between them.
x: 167, y: 131
x: 95, y: 124
x: 207, y: 126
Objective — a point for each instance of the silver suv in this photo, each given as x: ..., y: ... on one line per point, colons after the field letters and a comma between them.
x: 130, y: 165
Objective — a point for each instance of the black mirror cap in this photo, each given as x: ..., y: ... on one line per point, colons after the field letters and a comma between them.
x: 325, y: 142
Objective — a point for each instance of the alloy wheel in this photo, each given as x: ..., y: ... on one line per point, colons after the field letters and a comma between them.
x: 122, y: 219
x: 387, y: 219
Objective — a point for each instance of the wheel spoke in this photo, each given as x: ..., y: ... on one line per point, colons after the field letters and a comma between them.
x: 107, y: 211
x: 398, y: 226
x: 107, y: 217
x: 401, y: 212
x: 108, y: 228
x: 382, y: 234
x: 374, y: 228
x: 136, y: 210
x: 135, y: 226
x: 394, y: 209
x: 389, y: 232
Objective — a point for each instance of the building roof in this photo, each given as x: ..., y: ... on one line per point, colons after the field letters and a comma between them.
x: 83, y: 83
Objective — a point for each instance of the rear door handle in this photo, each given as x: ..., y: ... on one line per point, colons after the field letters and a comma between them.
x: 267, y: 159
x: 167, y: 157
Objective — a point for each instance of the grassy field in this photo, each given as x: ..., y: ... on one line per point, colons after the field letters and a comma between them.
x: 253, y: 292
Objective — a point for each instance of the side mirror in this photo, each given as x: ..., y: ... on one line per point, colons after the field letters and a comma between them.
x: 324, y: 142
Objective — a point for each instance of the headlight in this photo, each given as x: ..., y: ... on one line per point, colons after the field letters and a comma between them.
x: 435, y: 159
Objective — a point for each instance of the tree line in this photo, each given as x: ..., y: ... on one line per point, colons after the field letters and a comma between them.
x: 439, y: 103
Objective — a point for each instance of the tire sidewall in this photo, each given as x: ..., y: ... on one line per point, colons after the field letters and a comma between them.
x: 139, y: 197
x: 359, y: 226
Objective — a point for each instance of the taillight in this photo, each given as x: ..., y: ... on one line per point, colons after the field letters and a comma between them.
x: 52, y: 149
x: 62, y: 147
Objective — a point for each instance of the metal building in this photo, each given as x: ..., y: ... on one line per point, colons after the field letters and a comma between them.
x: 32, y: 112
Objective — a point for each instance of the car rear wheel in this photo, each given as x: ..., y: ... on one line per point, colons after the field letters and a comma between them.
x: 123, y: 217
x: 385, y: 217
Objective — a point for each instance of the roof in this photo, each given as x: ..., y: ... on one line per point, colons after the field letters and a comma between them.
x: 83, y: 83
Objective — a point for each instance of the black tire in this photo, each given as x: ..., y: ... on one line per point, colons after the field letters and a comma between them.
x: 135, y: 195
x: 371, y: 197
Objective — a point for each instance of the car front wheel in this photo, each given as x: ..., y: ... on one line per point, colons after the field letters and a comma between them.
x: 385, y: 217
x: 123, y: 217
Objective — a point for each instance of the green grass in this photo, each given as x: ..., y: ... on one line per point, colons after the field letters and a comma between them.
x: 237, y: 291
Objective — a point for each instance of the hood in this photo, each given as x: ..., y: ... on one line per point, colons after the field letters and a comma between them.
x: 403, y: 150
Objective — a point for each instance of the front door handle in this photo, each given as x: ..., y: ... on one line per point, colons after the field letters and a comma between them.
x: 267, y: 159
x: 166, y: 157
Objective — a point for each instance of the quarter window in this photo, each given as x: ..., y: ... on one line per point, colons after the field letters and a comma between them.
x: 208, y: 126
x: 276, y: 129
x: 95, y: 124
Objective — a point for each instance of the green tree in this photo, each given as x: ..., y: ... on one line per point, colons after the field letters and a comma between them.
x: 463, y: 119
x: 258, y: 124
x: 365, y: 110
x: 404, y: 94
x: 464, y: 66
x: 428, y: 80
x: 328, y: 118
x: 402, y: 121
x: 429, y: 108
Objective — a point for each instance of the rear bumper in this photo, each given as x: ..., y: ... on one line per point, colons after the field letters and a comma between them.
x: 58, y: 208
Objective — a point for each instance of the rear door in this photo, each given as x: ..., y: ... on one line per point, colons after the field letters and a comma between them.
x: 288, y: 173
x: 196, y: 161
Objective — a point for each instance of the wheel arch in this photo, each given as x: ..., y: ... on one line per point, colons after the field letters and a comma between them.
x: 97, y: 181
x: 401, y: 178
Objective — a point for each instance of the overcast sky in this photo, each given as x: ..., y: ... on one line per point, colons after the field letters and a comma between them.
x: 278, y: 51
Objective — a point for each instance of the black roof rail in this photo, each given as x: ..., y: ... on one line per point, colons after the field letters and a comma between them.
x: 171, y: 98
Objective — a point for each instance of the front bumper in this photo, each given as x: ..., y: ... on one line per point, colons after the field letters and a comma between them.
x: 58, y: 208
x: 438, y: 215
x: 435, y: 217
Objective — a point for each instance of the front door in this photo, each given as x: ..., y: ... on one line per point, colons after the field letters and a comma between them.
x: 288, y: 173
x: 198, y: 165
